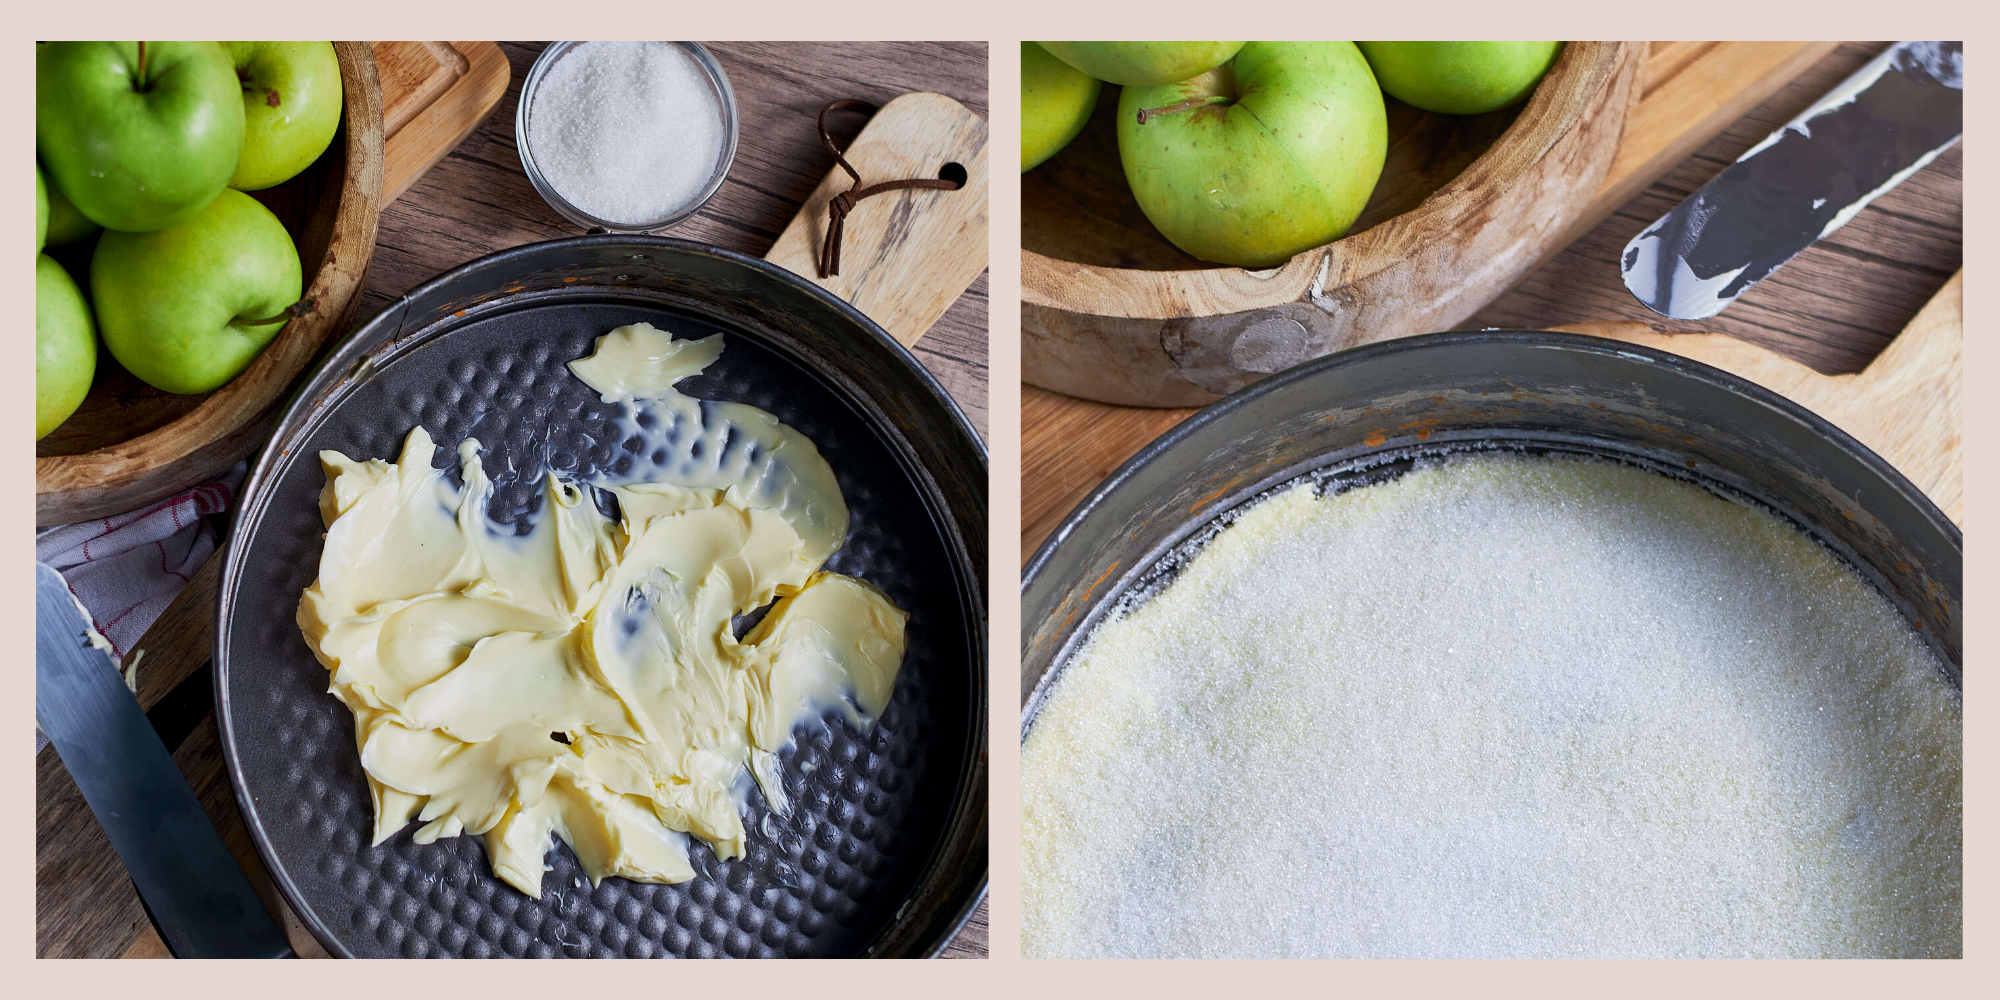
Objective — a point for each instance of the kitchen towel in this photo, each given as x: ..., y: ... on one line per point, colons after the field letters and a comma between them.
x: 125, y: 569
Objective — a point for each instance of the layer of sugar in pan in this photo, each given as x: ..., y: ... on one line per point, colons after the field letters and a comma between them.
x: 1500, y: 706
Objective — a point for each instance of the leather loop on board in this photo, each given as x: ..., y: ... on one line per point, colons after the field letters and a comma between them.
x: 843, y: 203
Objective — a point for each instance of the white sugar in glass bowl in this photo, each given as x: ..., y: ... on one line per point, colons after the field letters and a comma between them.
x: 626, y: 137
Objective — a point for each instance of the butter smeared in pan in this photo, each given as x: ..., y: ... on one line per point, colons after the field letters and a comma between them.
x: 583, y: 679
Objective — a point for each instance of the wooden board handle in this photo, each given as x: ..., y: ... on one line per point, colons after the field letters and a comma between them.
x: 1906, y: 406
x: 434, y: 94
x: 906, y: 255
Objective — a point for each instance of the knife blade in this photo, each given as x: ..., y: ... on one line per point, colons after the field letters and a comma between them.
x: 187, y: 879
x: 1805, y: 180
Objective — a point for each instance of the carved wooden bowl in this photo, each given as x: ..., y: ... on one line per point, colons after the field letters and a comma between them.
x: 1110, y: 310
x: 129, y: 443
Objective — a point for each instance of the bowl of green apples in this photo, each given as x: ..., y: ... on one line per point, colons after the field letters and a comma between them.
x: 205, y: 215
x: 1198, y: 215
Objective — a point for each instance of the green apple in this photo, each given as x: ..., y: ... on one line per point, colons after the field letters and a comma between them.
x: 65, y: 346
x: 66, y: 224
x: 41, y: 210
x: 1143, y: 64
x: 1056, y: 102
x: 1266, y: 156
x: 1460, y: 78
x: 140, y: 135
x: 291, y: 108
x: 186, y: 309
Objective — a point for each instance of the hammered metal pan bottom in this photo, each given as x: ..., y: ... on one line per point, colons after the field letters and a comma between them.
x: 869, y: 811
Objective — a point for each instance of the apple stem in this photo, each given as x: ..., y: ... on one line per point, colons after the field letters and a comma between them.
x: 300, y: 308
x: 1197, y: 103
x: 141, y: 88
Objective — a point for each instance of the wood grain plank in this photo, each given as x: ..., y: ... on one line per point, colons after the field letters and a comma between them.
x: 1667, y: 60
x: 1699, y: 94
x: 1069, y: 445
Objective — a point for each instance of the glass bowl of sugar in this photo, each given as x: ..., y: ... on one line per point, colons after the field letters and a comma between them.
x: 627, y: 137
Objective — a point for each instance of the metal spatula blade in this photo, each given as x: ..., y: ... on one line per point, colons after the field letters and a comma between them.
x: 1802, y: 182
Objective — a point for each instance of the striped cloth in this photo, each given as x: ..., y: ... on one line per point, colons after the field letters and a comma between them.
x: 125, y: 569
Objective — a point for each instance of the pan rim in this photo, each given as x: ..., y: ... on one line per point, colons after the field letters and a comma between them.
x: 318, y: 392
x: 1088, y: 617
x: 1675, y: 363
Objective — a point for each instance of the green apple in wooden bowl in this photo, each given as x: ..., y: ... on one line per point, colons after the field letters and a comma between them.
x: 1143, y: 64
x: 1460, y: 78
x: 140, y: 135
x: 186, y: 309
x: 1268, y: 155
x: 65, y: 346
x: 291, y: 108
x: 66, y: 224
x: 1056, y: 102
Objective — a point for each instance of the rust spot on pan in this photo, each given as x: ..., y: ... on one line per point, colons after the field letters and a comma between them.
x: 1071, y: 620
x: 1212, y: 497
x: 1375, y: 438
x: 1099, y: 582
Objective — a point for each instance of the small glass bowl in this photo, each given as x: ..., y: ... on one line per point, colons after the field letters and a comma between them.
x: 724, y: 96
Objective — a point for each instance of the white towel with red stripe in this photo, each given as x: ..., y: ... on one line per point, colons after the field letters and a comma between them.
x: 127, y: 568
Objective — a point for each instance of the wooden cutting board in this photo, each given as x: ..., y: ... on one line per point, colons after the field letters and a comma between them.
x: 905, y: 256
x: 1691, y: 93
x: 433, y: 95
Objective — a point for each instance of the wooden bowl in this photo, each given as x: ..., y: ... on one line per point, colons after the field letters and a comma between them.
x: 129, y: 443
x: 1111, y: 311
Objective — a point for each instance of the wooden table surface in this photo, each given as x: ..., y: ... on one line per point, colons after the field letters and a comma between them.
x: 1833, y: 307
x: 476, y: 201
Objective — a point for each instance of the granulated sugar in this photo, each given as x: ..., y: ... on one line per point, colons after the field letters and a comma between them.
x: 628, y: 132
x: 1502, y: 706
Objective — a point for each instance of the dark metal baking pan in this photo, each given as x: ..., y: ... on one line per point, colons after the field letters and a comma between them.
x: 884, y: 853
